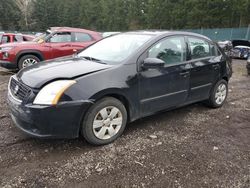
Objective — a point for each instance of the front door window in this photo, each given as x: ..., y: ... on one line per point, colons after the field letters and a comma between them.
x: 171, y: 50
x: 61, y: 37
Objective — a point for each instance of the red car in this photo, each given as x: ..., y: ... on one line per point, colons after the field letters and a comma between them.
x: 57, y: 42
x: 12, y: 37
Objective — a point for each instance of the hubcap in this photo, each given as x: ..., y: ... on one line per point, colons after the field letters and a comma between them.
x: 28, y: 62
x: 107, y: 122
x: 221, y: 94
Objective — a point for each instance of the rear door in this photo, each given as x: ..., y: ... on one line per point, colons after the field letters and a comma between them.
x: 205, y: 67
x: 60, y: 44
x: 81, y: 40
x: 168, y: 86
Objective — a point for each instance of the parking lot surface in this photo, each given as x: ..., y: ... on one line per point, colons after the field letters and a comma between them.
x: 193, y: 146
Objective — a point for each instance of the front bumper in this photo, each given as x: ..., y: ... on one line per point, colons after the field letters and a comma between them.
x: 60, y: 121
x: 8, y: 64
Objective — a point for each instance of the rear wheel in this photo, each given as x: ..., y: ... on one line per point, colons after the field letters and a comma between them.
x: 218, y: 94
x: 27, y: 60
x: 104, y: 122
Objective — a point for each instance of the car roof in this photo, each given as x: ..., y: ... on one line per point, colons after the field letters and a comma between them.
x: 12, y: 34
x: 17, y: 34
x: 9, y: 34
x: 71, y: 29
x: 167, y: 33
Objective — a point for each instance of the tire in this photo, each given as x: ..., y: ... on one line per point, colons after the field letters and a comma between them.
x: 27, y: 60
x: 104, y: 131
x: 218, y: 94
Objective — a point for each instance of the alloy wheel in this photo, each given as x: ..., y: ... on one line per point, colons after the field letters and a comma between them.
x: 29, y: 62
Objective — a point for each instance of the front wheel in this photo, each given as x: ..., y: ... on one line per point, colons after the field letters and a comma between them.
x: 104, y: 122
x: 27, y: 60
x: 218, y: 94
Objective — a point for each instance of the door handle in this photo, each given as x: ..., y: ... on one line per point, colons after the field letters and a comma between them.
x: 184, y: 73
x: 66, y: 45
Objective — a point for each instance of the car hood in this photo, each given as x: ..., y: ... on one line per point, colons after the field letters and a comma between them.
x: 41, y: 73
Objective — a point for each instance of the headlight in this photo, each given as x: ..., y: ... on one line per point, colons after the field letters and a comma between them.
x: 51, y: 93
x: 4, y: 49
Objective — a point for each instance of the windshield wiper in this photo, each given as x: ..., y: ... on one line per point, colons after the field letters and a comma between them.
x: 93, y: 59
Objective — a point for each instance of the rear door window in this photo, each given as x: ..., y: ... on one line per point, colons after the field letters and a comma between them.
x: 82, y: 37
x: 200, y: 48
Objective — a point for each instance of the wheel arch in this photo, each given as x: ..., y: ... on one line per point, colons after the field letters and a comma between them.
x: 36, y: 53
x: 117, y: 94
x: 225, y: 78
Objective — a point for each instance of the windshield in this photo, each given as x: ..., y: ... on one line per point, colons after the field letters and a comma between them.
x: 42, y: 37
x: 115, y: 49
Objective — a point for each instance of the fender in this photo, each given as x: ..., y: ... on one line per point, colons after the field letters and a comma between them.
x: 120, y: 95
x: 29, y: 51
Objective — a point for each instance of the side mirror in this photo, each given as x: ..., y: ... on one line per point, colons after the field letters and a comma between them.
x: 153, y: 63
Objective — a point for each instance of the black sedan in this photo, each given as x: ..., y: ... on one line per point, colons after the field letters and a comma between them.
x: 118, y: 80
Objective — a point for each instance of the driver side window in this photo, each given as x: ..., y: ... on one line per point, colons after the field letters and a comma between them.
x: 170, y: 50
x: 61, y: 37
x: 199, y: 48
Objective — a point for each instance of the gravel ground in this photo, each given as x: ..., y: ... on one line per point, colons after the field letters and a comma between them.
x: 189, y: 147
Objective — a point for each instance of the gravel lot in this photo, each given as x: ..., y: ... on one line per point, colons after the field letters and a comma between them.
x: 189, y: 147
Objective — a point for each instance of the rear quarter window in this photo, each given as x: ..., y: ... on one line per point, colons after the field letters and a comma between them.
x: 5, y: 39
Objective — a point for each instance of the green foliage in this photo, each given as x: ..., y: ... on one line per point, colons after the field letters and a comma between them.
x: 121, y: 15
x: 9, y: 15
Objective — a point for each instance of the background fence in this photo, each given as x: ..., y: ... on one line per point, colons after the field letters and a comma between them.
x: 222, y: 34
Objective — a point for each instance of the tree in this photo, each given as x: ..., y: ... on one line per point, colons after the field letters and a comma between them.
x: 122, y: 15
x: 9, y: 12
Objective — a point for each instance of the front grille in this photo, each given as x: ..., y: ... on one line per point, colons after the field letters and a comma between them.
x: 19, y: 90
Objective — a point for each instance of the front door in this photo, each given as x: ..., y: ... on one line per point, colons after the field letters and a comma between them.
x: 205, y: 68
x: 168, y: 86
x: 60, y: 44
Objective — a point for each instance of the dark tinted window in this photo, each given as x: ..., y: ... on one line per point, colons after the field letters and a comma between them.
x: 61, y: 37
x: 82, y: 37
x: 170, y: 50
x: 199, y: 48
x: 26, y: 38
